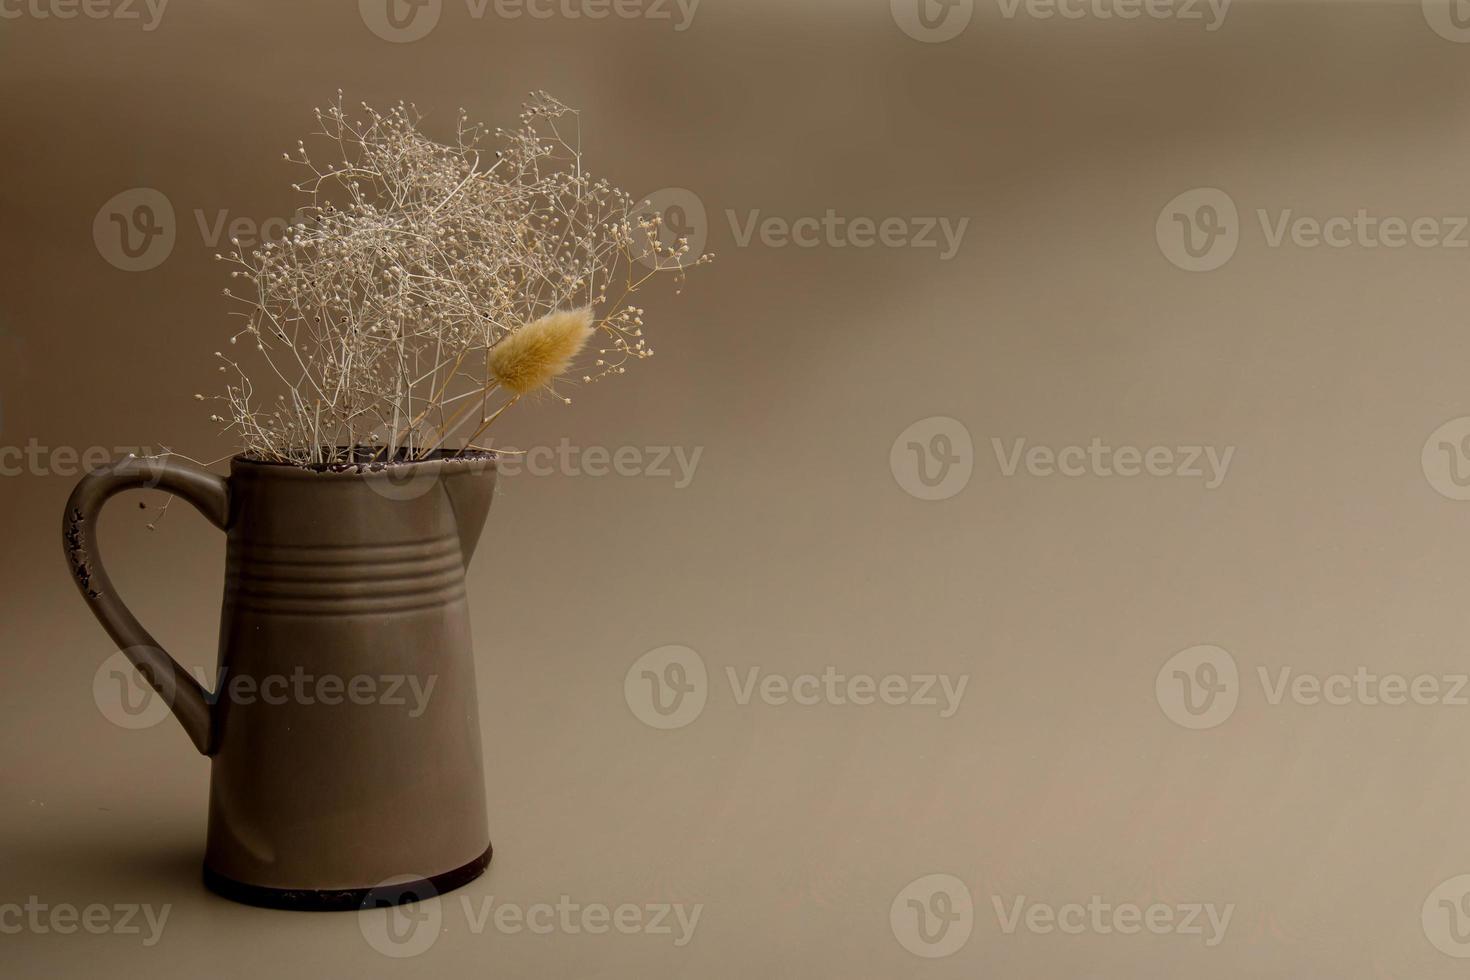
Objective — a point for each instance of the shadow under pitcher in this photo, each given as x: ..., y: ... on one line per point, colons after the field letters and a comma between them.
x: 344, y: 733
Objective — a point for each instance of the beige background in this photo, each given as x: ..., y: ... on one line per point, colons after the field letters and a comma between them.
x: 1326, y: 548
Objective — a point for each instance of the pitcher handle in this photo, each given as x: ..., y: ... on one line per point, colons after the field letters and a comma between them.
x: 210, y: 494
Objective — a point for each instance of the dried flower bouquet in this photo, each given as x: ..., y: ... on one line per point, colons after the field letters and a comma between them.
x: 430, y: 286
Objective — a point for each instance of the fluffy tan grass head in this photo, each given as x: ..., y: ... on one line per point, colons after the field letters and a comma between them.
x: 536, y: 353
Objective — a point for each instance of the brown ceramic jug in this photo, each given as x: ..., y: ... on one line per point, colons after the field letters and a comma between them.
x: 343, y: 732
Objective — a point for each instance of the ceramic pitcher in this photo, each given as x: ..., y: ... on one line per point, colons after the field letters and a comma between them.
x: 343, y: 732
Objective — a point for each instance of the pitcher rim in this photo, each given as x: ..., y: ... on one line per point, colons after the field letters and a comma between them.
x: 449, y: 460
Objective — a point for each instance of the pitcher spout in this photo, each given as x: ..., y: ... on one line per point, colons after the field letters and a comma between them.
x: 469, y: 483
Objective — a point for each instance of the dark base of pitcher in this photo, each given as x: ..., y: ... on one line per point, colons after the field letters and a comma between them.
x: 346, y: 899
